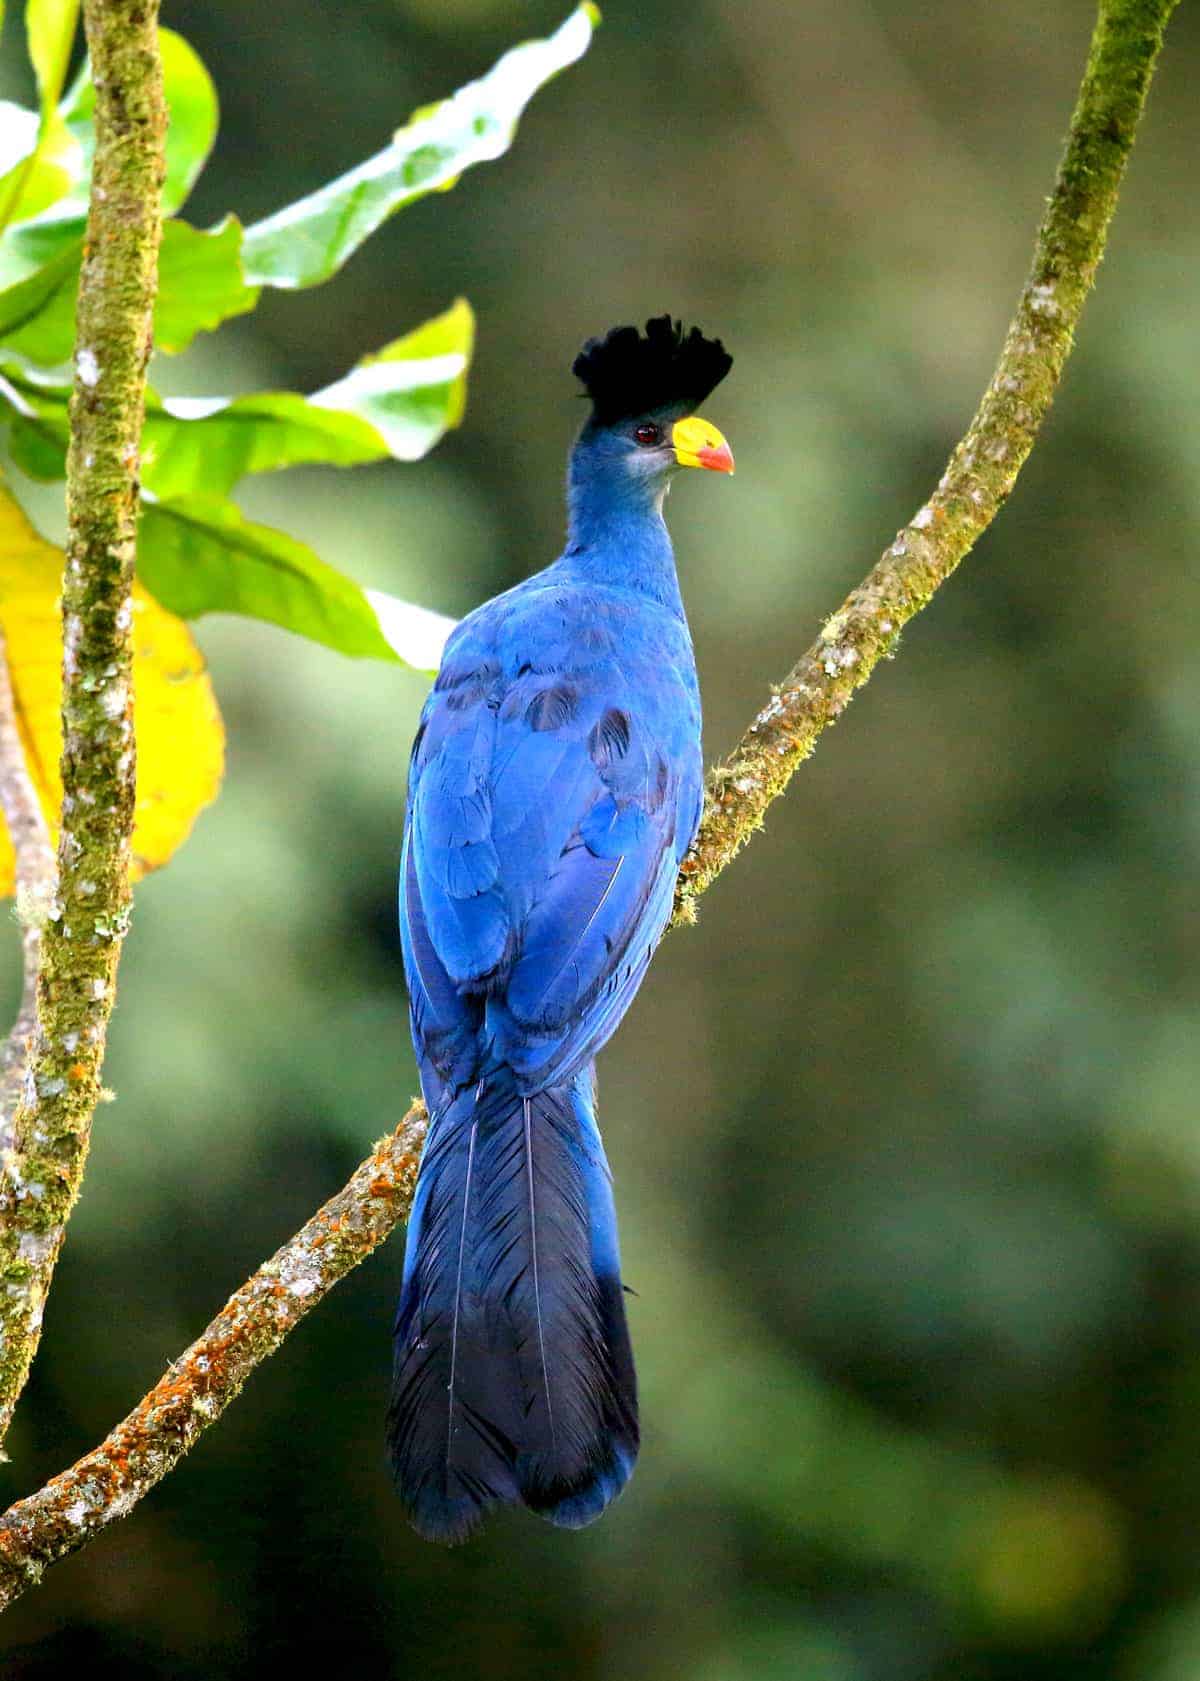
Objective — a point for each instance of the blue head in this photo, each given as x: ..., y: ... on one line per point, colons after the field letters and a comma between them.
x: 643, y: 426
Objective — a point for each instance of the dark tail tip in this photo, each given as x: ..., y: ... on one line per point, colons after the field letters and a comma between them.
x: 450, y: 1517
x: 442, y: 1518
x: 514, y: 1380
x: 573, y: 1505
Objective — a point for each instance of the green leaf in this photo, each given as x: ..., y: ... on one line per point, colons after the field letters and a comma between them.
x: 37, y: 314
x: 46, y: 156
x: 414, y: 389
x: 36, y: 451
x: 18, y: 134
x: 208, y: 443
x: 198, y: 554
x: 200, y: 281
x: 398, y: 403
x: 36, y: 237
x: 417, y: 634
x: 191, y: 130
x: 199, y: 285
x: 47, y: 171
x: 193, y: 113
x: 36, y: 418
x: 311, y: 239
x: 50, y: 25
x: 206, y: 277
x: 29, y: 246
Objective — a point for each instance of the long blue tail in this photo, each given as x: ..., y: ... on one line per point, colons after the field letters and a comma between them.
x: 513, y: 1379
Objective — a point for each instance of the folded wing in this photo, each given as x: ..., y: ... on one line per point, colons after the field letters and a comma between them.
x: 548, y: 813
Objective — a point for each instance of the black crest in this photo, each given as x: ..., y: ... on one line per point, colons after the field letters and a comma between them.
x: 627, y: 375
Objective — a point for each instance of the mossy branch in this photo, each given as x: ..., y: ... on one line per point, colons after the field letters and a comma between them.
x: 196, y: 1388
x: 81, y: 939
x: 982, y: 470
x: 73, y: 1508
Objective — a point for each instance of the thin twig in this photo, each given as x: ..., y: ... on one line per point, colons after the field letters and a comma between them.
x: 35, y: 878
x: 73, y: 1508
x: 81, y: 944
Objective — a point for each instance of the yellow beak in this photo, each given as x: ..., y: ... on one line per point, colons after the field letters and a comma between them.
x: 698, y: 444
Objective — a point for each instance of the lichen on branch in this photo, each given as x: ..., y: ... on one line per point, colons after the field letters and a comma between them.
x: 105, y: 1484
x: 81, y: 938
x: 196, y: 1388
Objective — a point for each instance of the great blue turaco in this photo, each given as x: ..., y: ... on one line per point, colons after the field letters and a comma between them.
x: 555, y: 785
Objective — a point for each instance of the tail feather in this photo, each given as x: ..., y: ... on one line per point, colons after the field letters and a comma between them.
x: 514, y: 1380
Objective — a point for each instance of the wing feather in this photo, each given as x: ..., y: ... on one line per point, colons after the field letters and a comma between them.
x: 553, y: 792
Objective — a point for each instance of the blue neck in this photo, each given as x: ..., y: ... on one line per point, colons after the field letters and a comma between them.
x: 616, y: 533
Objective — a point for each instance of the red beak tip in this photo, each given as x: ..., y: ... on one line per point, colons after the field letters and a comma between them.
x: 718, y: 460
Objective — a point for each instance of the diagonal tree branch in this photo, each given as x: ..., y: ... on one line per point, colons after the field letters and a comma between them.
x: 983, y: 468
x: 103, y: 1486
x: 196, y: 1388
x: 81, y: 939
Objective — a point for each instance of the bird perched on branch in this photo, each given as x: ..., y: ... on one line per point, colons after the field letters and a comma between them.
x: 554, y: 787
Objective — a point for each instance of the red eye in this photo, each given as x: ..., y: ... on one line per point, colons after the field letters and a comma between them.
x: 648, y: 434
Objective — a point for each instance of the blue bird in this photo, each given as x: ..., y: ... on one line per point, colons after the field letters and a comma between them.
x: 554, y: 787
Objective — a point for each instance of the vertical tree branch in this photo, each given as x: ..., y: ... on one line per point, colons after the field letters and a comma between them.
x: 77, y: 1505
x: 81, y: 943
x: 35, y: 879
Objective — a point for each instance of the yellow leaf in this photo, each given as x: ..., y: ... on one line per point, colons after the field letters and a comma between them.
x: 180, y: 741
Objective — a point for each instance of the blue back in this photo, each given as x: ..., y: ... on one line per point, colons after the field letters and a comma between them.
x: 555, y: 785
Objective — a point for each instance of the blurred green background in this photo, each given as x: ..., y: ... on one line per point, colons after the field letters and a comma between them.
x: 905, y: 1132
